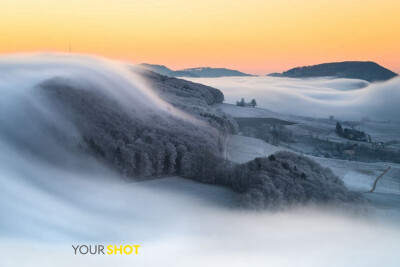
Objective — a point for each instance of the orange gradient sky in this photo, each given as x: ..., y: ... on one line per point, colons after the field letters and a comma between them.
x: 252, y: 36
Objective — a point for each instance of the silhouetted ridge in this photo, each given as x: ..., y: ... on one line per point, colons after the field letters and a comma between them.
x: 369, y: 71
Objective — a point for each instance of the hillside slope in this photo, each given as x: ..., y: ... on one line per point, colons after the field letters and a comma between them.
x: 190, y: 97
x: 160, y: 69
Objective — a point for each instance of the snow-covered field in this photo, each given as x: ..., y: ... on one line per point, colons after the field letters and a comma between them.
x: 242, y: 149
x: 324, y: 127
x: 390, y: 182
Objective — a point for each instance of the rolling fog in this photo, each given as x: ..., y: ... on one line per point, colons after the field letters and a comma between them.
x: 346, y: 99
x: 48, y: 205
x: 43, y: 220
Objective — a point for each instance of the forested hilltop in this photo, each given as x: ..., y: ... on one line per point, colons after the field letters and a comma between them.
x: 369, y: 71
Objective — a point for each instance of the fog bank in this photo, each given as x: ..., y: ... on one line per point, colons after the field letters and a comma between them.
x: 346, y: 99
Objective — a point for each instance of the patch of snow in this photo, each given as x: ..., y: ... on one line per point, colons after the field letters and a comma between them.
x: 359, y: 181
x: 241, y: 149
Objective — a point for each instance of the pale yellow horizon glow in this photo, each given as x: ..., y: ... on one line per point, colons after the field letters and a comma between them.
x: 252, y: 36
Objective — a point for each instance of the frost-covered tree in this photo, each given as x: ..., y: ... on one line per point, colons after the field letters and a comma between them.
x: 144, y: 165
x: 137, y: 145
x: 170, y: 159
x: 339, y: 128
x: 288, y: 179
x: 241, y: 103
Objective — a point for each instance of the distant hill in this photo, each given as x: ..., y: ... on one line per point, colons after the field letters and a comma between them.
x: 275, y: 74
x: 364, y: 70
x: 205, y: 72
x: 182, y: 73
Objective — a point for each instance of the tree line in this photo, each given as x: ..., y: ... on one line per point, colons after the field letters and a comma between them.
x: 242, y: 103
x: 351, y: 134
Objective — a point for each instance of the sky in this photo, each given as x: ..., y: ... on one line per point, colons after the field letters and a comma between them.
x: 253, y: 36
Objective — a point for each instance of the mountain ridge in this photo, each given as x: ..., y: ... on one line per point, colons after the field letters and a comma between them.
x: 201, y: 72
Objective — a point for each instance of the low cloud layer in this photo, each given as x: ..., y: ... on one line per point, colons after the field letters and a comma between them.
x: 319, y: 97
x: 173, y: 227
